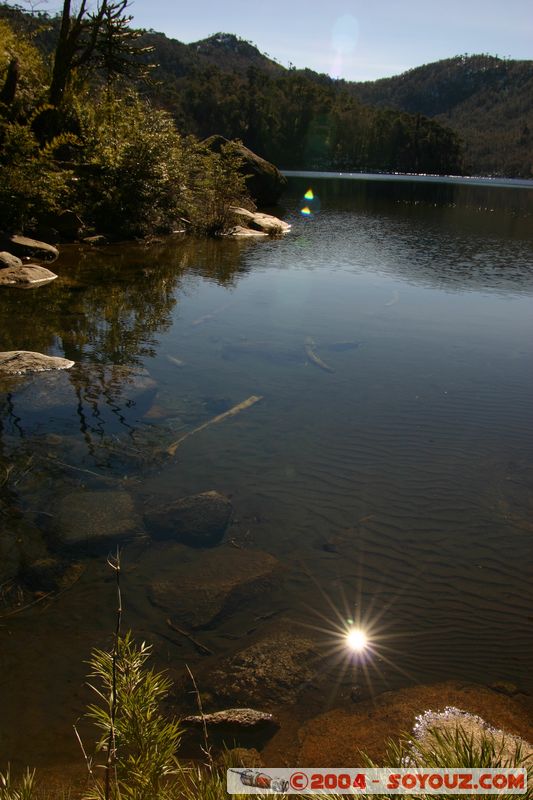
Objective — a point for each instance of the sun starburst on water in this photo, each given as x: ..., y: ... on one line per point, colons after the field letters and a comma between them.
x: 359, y: 645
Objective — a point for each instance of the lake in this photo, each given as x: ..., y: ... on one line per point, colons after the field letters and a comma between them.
x: 388, y: 468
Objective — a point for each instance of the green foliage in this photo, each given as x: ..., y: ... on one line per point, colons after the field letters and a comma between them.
x: 22, y: 790
x: 33, y: 73
x: 32, y: 182
x: 144, y: 742
x: 215, y: 185
x: 133, y: 167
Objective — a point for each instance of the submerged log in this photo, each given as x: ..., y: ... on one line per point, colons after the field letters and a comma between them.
x: 250, y: 401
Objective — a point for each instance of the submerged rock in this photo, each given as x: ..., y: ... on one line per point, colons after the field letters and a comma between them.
x: 276, y: 668
x: 21, y: 362
x: 26, y: 276
x: 129, y: 388
x: 199, y: 520
x: 339, y: 735
x: 216, y: 584
x: 23, y: 247
x: 7, y: 260
x: 95, y: 520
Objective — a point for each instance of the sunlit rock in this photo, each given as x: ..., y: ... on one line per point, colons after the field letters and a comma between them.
x: 9, y: 261
x: 274, y: 669
x: 29, y: 275
x: 21, y: 362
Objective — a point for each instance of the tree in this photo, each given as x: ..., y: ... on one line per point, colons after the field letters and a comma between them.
x: 99, y: 39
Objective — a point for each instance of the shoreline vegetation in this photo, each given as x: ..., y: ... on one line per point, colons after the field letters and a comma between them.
x: 88, y: 147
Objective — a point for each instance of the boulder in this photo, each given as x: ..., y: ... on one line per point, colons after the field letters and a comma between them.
x: 258, y: 221
x: 66, y: 223
x: 214, y: 585
x: 264, y: 181
x: 24, y: 247
x: 274, y: 669
x: 94, y: 521
x: 7, y: 260
x: 233, y: 727
x: 26, y: 276
x: 199, y: 520
x: 21, y: 362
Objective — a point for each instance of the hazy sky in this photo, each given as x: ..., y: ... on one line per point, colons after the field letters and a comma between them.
x: 354, y: 39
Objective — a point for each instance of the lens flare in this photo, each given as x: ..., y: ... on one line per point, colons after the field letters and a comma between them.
x: 356, y: 640
x: 310, y: 204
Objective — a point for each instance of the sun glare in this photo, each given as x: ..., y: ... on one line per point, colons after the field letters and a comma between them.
x: 357, y: 640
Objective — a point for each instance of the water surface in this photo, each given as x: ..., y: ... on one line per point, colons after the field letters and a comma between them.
x: 399, y: 480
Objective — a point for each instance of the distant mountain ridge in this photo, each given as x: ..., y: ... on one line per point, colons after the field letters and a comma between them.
x: 224, y: 84
x: 486, y: 100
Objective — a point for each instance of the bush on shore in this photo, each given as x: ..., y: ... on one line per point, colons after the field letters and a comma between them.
x: 106, y: 154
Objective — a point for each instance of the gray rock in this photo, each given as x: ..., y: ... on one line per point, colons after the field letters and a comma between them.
x: 258, y: 221
x: 94, y: 521
x: 264, y: 181
x: 199, y: 520
x: 23, y: 246
x: 21, y: 362
x: 7, y: 260
x: 214, y: 585
x: 26, y: 276
x: 275, y: 669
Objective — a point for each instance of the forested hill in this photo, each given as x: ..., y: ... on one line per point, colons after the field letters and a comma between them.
x: 301, y: 119
x: 487, y: 100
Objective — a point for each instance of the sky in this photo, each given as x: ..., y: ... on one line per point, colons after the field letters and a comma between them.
x: 356, y: 40
x: 351, y: 39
